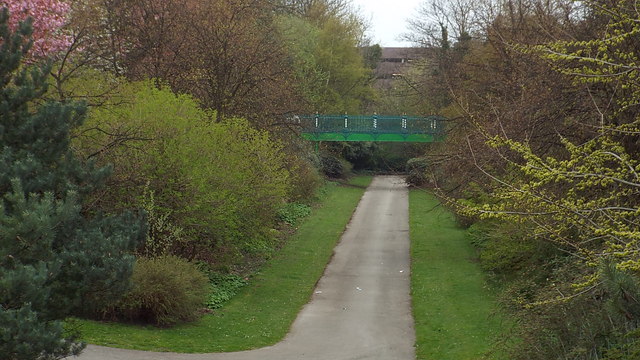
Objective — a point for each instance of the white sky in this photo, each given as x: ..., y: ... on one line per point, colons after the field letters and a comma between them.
x: 387, y: 19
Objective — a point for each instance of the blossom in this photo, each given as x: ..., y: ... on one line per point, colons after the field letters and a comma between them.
x: 49, y: 16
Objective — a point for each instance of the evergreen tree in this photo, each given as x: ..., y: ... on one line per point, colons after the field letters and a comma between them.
x: 55, y: 260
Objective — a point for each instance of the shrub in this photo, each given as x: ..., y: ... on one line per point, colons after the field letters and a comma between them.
x: 162, y: 234
x: 416, y: 171
x: 332, y: 166
x: 505, y: 248
x: 347, y: 168
x: 216, y: 185
x: 305, y: 177
x: 165, y: 290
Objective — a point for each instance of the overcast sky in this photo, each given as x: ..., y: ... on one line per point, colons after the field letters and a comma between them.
x: 388, y: 19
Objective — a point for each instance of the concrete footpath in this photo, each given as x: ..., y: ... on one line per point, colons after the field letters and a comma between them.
x: 361, y: 308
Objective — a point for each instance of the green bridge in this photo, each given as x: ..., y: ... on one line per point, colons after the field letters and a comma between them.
x: 371, y: 128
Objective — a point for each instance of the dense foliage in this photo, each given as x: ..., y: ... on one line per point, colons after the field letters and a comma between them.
x: 200, y: 180
x: 416, y: 169
x: 225, y: 286
x: 543, y: 153
x: 56, y: 259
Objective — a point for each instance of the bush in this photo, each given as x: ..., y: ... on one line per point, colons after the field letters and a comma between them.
x: 305, y: 177
x: 416, y: 171
x: 332, y: 166
x: 216, y: 185
x: 506, y: 248
x: 165, y: 290
x: 347, y: 168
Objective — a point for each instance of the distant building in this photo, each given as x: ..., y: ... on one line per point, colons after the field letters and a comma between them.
x: 394, y: 63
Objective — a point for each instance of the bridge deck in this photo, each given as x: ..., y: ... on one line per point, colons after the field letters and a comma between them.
x: 371, y: 128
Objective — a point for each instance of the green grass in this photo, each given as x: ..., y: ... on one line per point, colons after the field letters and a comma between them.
x: 261, y: 314
x: 455, y: 311
x: 361, y: 181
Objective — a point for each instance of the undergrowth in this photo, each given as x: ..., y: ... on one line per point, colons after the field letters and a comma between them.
x: 292, y: 213
x: 223, y: 288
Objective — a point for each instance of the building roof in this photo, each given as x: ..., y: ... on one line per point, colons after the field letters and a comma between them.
x: 396, y: 61
x: 401, y: 53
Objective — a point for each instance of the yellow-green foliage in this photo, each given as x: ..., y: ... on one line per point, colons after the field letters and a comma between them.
x: 331, y: 71
x: 581, y: 202
x: 611, y: 58
x: 586, y: 199
x: 221, y: 183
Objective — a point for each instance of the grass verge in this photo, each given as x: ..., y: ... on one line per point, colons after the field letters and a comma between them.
x: 261, y: 314
x: 455, y: 311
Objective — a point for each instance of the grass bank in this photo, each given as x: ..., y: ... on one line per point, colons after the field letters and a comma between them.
x: 261, y: 314
x: 455, y: 312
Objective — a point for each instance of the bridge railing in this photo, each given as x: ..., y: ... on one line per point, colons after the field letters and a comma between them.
x: 371, y: 124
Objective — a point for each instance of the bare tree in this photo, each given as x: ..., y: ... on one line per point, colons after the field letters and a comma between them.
x: 316, y: 8
x: 239, y: 64
x: 434, y: 17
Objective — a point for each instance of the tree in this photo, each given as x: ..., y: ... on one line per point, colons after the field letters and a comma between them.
x: 436, y: 17
x: 586, y: 196
x: 227, y: 53
x: 48, y: 16
x: 56, y: 260
x: 332, y: 71
x: 154, y: 36
x: 240, y: 65
x: 318, y: 10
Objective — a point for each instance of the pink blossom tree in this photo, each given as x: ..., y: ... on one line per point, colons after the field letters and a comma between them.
x: 49, y: 16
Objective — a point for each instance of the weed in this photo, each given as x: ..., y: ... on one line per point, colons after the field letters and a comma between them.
x: 223, y: 288
x: 293, y: 212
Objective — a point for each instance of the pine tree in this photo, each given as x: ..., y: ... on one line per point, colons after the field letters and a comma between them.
x: 55, y: 260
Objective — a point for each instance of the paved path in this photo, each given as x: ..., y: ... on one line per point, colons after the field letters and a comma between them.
x: 361, y: 308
